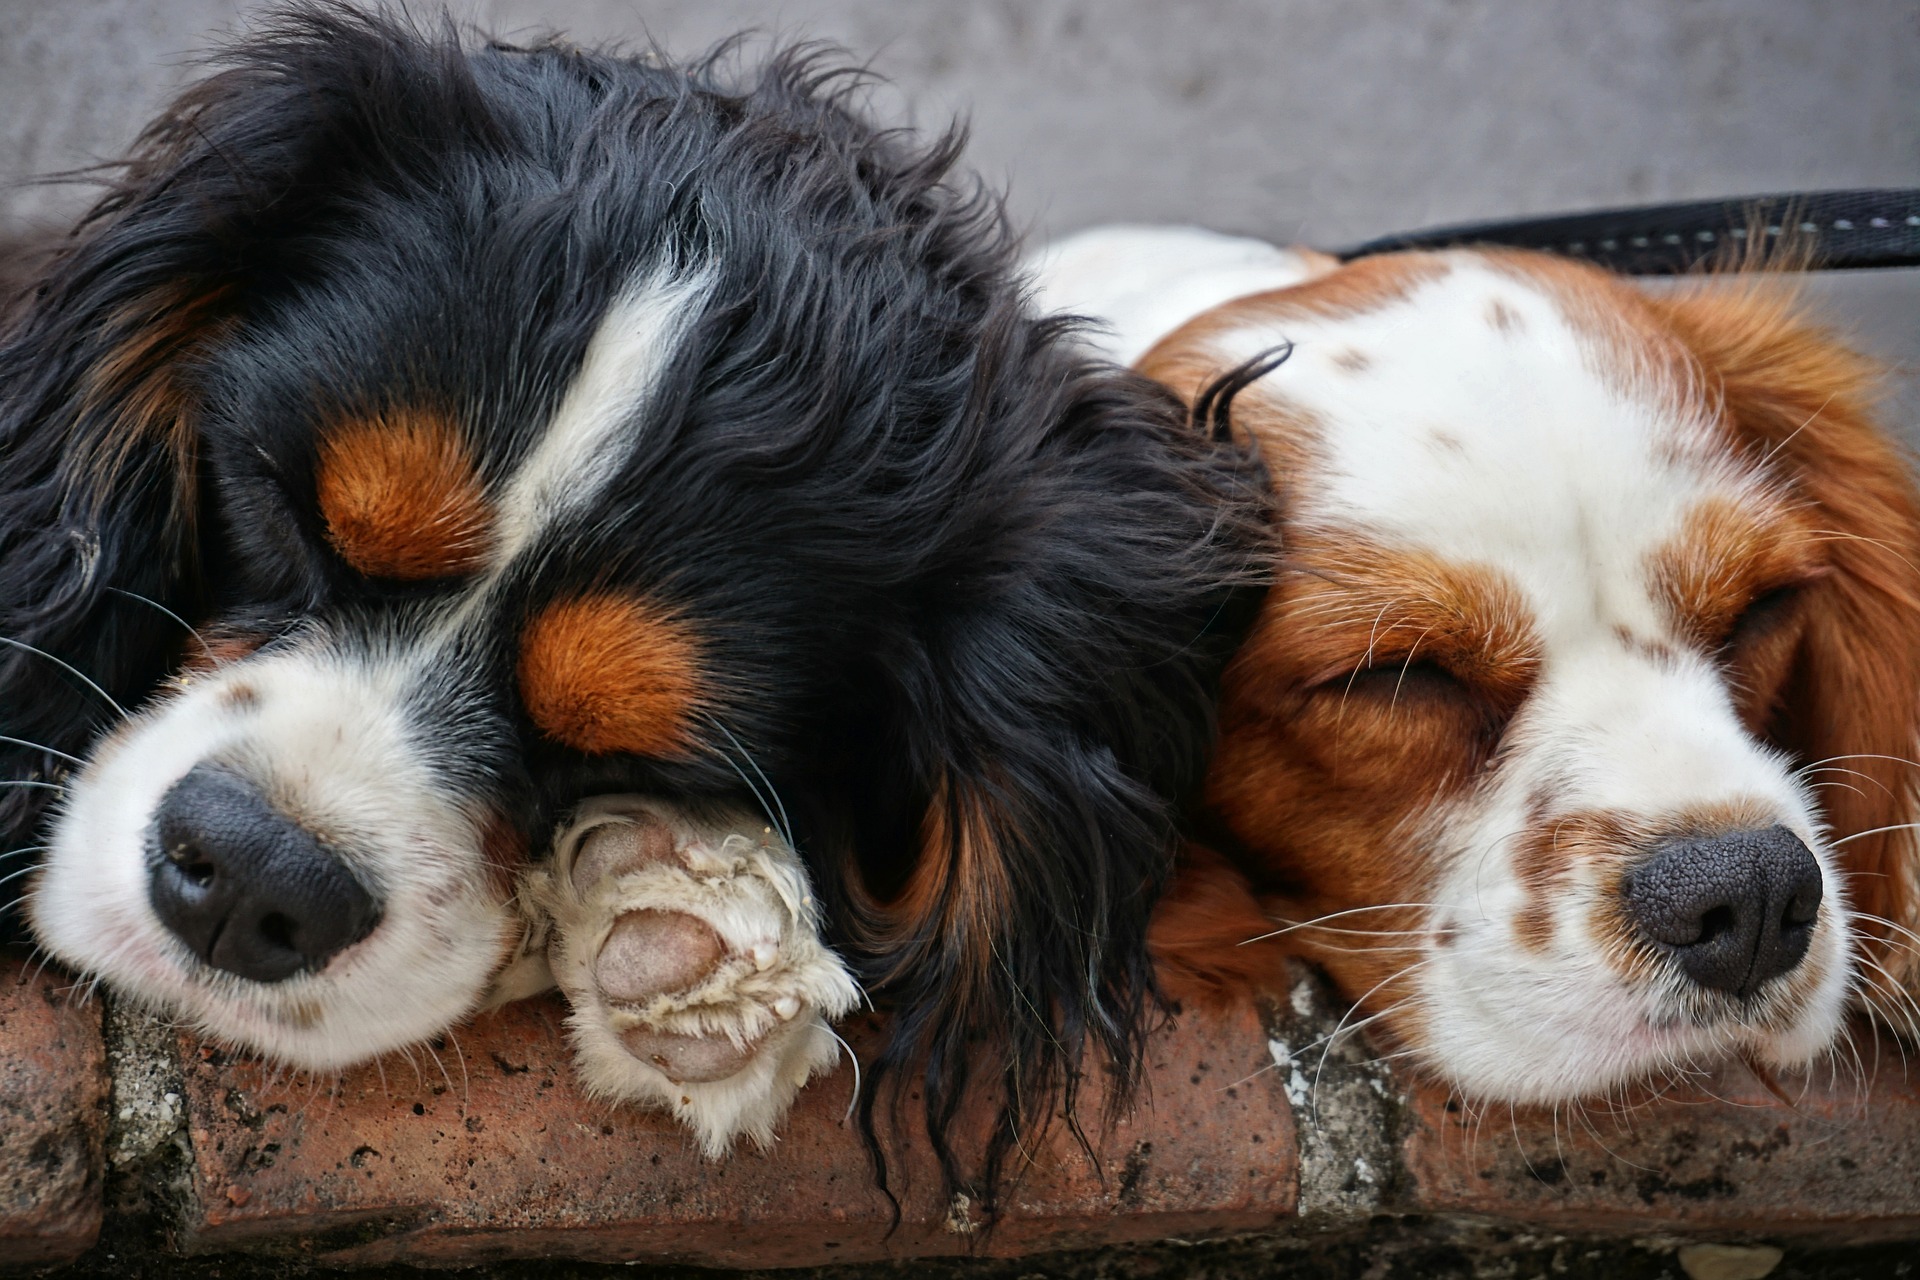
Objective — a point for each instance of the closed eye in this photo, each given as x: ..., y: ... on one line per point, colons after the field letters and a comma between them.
x: 1399, y: 678
x: 1426, y: 690
x: 1761, y: 620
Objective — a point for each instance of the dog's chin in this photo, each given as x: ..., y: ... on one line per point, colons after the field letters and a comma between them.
x: 1609, y: 1042
x: 399, y: 986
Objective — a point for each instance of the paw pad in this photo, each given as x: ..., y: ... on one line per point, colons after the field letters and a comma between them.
x: 651, y: 953
x: 689, y: 947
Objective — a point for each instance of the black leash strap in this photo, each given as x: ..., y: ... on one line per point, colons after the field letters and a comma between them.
x: 1839, y: 231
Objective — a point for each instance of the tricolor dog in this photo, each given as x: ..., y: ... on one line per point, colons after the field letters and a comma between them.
x: 468, y: 509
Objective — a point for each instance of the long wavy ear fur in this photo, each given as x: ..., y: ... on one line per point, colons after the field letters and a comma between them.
x: 1065, y: 706
x: 99, y: 495
x: 1798, y: 397
x: 97, y: 498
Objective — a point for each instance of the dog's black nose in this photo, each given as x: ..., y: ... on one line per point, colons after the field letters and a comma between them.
x: 251, y: 891
x: 1733, y: 910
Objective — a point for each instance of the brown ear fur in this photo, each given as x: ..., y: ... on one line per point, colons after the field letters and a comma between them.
x: 1209, y: 938
x: 1804, y: 401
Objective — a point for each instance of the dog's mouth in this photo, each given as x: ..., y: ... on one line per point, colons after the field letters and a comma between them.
x: 290, y: 873
x: 1570, y: 1027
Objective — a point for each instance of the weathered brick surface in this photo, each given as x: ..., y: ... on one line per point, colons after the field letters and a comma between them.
x: 486, y: 1151
x: 1838, y: 1157
x: 490, y: 1152
x: 52, y: 1122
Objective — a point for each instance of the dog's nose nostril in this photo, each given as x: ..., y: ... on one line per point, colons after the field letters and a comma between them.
x: 249, y: 890
x: 1734, y: 910
x: 194, y: 865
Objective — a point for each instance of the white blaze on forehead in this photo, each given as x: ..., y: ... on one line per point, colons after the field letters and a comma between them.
x: 590, y: 433
x: 331, y: 734
x: 1471, y: 419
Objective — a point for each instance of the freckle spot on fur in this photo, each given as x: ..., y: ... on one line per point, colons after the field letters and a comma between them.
x: 1503, y: 317
x: 1353, y: 361
x: 1653, y: 650
x: 1447, y: 442
x: 402, y: 498
x: 240, y: 697
x: 609, y: 674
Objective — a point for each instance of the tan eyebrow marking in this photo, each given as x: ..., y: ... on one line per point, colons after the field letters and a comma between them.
x: 402, y: 498
x: 612, y: 673
x: 1724, y: 554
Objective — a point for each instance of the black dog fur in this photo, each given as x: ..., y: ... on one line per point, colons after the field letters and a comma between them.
x: 943, y: 559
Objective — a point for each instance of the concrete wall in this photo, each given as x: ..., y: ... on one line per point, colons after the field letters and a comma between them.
x: 1321, y: 120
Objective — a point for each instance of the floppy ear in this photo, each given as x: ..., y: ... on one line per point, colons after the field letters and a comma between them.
x: 98, y: 502
x: 100, y: 505
x: 1804, y: 401
x: 1065, y: 707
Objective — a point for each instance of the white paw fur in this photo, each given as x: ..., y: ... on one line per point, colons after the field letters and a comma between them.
x: 688, y: 945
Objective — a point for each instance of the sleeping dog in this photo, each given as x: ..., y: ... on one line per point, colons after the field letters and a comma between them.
x: 430, y: 455
x: 1577, y: 736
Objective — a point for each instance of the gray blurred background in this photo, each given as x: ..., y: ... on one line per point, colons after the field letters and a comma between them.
x: 1326, y: 121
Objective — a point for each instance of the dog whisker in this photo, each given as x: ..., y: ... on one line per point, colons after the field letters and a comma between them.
x: 769, y: 800
x: 41, y: 746
x: 1861, y: 835
x: 192, y: 630
x: 67, y: 667
x: 1290, y: 926
x: 24, y: 871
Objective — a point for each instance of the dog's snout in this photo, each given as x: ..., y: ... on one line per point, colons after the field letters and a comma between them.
x: 1734, y: 910
x: 248, y: 889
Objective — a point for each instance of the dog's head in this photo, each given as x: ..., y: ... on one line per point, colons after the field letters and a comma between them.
x: 422, y: 439
x: 1572, y: 738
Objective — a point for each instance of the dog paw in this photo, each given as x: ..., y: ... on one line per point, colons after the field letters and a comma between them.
x: 688, y: 945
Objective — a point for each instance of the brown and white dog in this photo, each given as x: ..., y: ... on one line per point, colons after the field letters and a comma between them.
x: 1575, y: 737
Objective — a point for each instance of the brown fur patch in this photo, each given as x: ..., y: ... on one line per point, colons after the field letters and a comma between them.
x: 958, y: 887
x: 1850, y: 691
x: 609, y: 674
x: 1544, y: 857
x: 215, y: 646
x: 1188, y: 358
x: 401, y: 497
x: 1353, y: 361
x: 1724, y: 557
x: 240, y: 697
x: 136, y: 391
x: 1203, y: 935
x: 949, y: 910
x: 1337, y: 742
x: 1503, y: 317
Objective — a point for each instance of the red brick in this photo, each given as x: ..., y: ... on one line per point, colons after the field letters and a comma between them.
x: 1723, y: 1155
x: 496, y: 1155
x: 53, y: 1089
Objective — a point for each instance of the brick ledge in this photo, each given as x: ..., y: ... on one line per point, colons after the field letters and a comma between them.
x: 487, y: 1153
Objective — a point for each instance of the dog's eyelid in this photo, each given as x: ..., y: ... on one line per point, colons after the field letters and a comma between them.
x: 1771, y: 604
x: 1418, y: 665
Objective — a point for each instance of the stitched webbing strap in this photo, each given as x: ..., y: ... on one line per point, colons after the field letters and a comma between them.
x: 1840, y: 230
